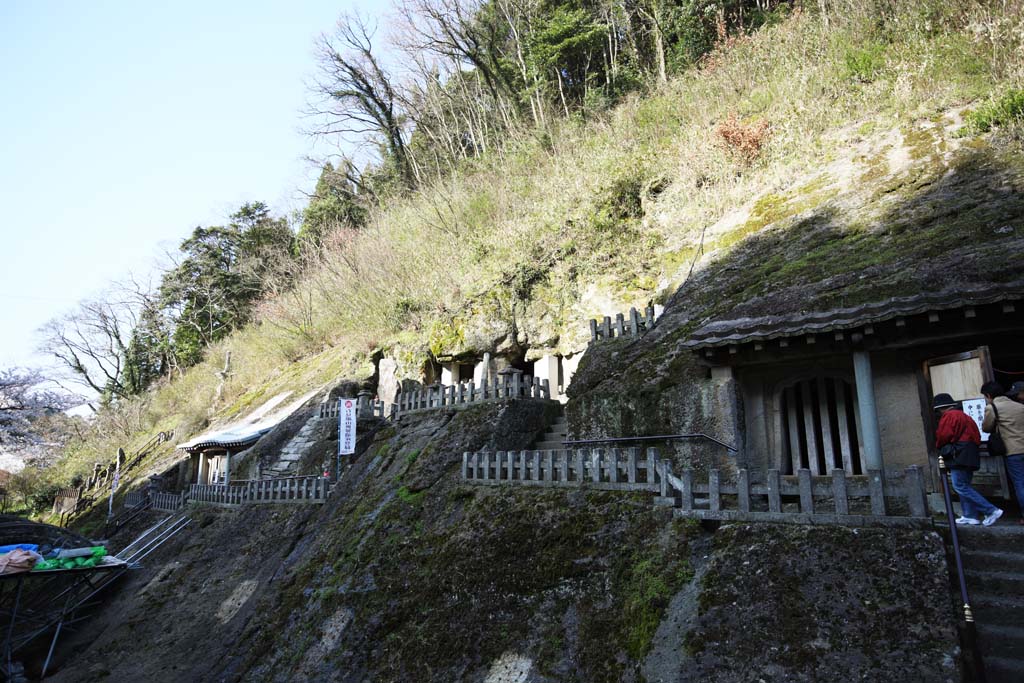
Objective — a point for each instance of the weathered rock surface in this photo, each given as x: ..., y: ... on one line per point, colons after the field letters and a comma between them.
x: 407, y: 574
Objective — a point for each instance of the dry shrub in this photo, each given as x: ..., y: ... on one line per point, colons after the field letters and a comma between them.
x: 743, y: 140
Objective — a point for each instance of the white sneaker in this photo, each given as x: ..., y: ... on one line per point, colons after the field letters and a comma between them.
x: 991, y: 517
x: 966, y: 521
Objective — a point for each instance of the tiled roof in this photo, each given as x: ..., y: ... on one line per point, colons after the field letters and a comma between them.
x: 744, y: 330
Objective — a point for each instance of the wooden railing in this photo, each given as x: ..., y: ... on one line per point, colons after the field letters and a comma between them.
x: 364, y: 407
x: 896, y: 499
x: 168, y: 502
x: 132, y: 462
x: 103, y: 475
x: 134, y: 499
x: 636, y: 326
x: 617, y: 470
x: 511, y: 386
x: 283, y: 490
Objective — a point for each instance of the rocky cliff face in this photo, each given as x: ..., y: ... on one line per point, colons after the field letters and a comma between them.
x: 901, y: 212
x: 408, y: 574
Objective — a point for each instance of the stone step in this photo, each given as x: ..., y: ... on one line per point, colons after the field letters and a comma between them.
x: 1005, y: 535
x: 993, y: 560
x: 553, y: 430
x: 560, y: 420
x: 1003, y: 670
x: 1001, y: 641
x: 1010, y: 583
x: 548, y: 446
x: 993, y: 609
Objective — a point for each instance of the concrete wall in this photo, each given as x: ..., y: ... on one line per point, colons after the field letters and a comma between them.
x: 899, y: 411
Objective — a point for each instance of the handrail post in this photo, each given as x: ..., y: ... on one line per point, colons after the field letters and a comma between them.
x: 970, y: 630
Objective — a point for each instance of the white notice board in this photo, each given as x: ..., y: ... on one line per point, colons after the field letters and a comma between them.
x: 346, y: 426
x: 975, y: 408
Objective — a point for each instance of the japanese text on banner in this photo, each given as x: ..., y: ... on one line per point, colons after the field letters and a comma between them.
x: 347, y: 426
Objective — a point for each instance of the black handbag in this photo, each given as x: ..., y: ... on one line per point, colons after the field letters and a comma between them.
x: 996, y: 445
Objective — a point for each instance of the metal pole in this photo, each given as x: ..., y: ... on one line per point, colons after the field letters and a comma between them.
x: 10, y: 629
x: 56, y: 634
x: 970, y: 630
x: 662, y: 437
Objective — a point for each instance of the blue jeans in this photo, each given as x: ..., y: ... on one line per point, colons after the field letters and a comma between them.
x: 971, y: 502
x: 1015, y: 468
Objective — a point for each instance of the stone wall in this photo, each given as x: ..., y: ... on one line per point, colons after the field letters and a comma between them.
x: 682, y: 398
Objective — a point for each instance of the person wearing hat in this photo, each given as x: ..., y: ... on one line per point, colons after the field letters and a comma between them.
x: 1009, y: 415
x: 960, y: 432
x: 1016, y: 392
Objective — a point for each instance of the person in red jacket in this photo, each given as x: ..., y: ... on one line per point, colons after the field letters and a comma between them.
x: 960, y: 431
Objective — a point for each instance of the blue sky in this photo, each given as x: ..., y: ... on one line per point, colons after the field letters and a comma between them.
x: 123, y: 125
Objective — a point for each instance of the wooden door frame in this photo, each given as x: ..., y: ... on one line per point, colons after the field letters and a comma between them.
x: 925, y: 390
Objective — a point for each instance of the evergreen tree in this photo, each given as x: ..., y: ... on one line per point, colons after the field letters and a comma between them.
x: 224, y: 272
x: 334, y: 204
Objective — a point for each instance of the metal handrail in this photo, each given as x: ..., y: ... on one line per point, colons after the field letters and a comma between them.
x: 969, y: 628
x: 665, y: 437
x: 126, y: 516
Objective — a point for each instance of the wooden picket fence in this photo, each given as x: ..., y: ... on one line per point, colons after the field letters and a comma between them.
x: 617, y: 470
x: 635, y: 326
x: 312, y: 489
x: 893, y: 499
x: 364, y: 408
x: 134, y: 499
x: 898, y: 498
x: 510, y: 386
x: 168, y: 502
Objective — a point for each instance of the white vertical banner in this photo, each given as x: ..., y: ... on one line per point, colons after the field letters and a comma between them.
x: 346, y: 426
x: 115, y: 482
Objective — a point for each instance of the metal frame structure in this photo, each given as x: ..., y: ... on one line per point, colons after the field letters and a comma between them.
x: 52, y: 605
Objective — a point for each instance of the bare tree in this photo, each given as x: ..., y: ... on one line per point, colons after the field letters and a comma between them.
x: 91, y: 342
x: 355, y: 93
x: 465, y: 94
x: 452, y: 29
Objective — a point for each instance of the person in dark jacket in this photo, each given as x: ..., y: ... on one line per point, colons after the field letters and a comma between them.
x: 958, y: 430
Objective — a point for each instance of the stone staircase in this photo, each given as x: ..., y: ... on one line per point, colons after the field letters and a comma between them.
x: 994, y: 565
x: 552, y: 439
x: 294, y: 450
